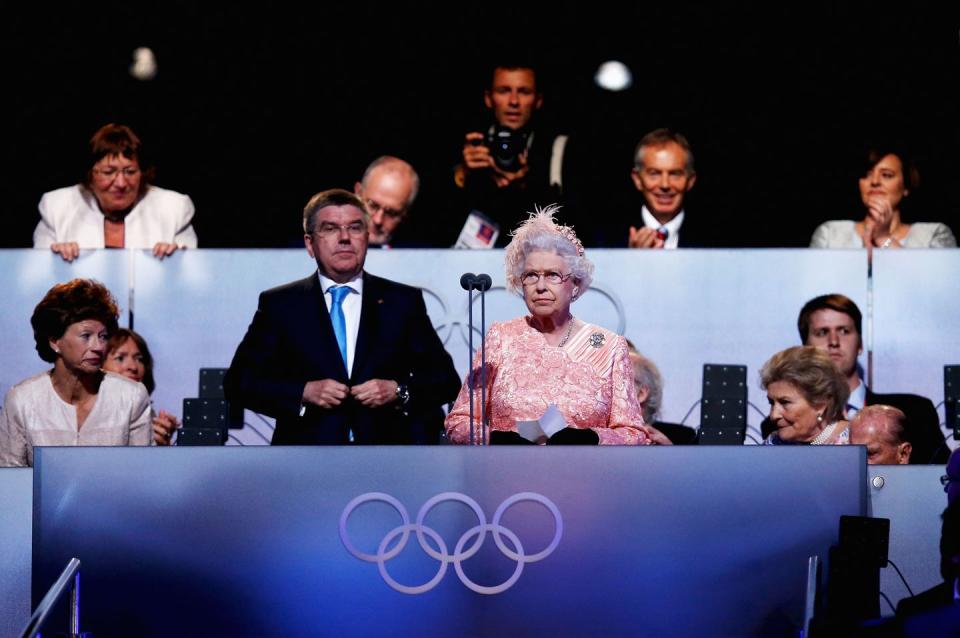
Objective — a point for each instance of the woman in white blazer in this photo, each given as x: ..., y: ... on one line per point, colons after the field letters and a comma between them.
x: 115, y: 206
x: 885, y: 185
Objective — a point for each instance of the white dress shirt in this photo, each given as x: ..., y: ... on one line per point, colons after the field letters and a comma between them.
x: 857, y: 400
x: 672, y: 226
x: 351, y: 310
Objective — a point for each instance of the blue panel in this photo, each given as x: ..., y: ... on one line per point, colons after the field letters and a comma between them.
x: 16, y: 503
x: 234, y: 541
x: 912, y: 498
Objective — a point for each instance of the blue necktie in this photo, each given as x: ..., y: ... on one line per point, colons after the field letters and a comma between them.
x: 337, y: 293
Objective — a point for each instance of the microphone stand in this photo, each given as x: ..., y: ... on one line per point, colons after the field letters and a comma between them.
x: 467, y: 282
x: 481, y: 282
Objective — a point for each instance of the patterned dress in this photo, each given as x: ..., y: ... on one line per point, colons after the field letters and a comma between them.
x: 589, y: 379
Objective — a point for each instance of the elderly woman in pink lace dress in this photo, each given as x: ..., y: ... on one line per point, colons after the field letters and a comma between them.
x: 549, y: 357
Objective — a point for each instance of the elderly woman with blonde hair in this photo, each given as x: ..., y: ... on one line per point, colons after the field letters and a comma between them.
x: 549, y: 357
x: 808, y: 398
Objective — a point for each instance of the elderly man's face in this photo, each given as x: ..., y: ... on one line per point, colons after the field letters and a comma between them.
x: 386, y: 194
x: 338, y: 241
x: 663, y: 179
x: 836, y: 334
x: 883, y: 448
x: 513, y: 97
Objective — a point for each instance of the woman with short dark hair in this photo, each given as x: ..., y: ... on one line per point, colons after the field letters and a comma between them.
x: 75, y: 403
x: 129, y: 356
x: 888, y: 179
x: 115, y: 205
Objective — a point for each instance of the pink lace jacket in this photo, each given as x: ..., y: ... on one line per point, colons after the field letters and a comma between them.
x: 590, y: 380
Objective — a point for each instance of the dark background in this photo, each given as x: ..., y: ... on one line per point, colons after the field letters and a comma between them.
x: 254, y: 110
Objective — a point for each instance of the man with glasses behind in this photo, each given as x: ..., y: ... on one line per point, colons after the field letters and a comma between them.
x: 388, y: 188
x: 343, y: 356
x: 115, y: 206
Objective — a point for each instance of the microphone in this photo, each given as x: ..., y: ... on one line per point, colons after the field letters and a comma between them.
x: 481, y: 282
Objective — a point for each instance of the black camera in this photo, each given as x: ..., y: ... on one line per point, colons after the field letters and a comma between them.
x: 506, y: 145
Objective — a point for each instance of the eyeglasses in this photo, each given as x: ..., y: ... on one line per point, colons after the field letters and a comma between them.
x: 356, y: 229
x: 375, y: 208
x: 110, y: 173
x: 532, y: 277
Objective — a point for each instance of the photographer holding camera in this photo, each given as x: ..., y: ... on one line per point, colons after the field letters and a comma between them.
x: 509, y: 168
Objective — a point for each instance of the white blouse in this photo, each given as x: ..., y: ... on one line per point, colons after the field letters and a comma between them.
x: 73, y: 214
x: 34, y: 414
x: 842, y: 233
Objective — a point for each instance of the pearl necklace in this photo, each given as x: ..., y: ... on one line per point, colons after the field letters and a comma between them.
x: 824, y: 434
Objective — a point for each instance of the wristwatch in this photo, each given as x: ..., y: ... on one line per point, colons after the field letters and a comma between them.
x: 403, y: 393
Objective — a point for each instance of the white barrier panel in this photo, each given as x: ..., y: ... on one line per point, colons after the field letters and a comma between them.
x: 28, y: 275
x: 915, y: 299
x: 682, y: 309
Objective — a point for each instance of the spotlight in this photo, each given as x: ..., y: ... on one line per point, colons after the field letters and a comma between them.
x: 613, y: 76
x: 144, y: 66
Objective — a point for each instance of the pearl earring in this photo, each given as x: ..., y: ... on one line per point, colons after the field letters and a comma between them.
x: 820, y: 418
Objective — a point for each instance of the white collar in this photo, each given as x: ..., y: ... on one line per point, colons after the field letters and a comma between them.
x: 672, y: 226
x: 355, y: 284
x: 858, y: 397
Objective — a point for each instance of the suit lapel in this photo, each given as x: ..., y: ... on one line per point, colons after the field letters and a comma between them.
x: 369, y: 324
x: 323, y: 342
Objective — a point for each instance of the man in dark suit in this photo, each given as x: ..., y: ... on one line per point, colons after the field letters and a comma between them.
x: 663, y: 173
x: 388, y: 187
x: 343, y: 356
x: 833, y: 323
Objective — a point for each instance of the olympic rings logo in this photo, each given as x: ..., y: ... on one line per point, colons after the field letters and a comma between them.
x: 441, y: 552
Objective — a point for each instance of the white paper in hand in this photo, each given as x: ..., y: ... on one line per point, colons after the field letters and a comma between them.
x: 552, y: 421
x: 543, y: 428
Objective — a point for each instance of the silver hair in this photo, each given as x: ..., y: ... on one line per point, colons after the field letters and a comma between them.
x: 394, y: 165
x: 541, y: 232
x: 646, y: 374
x: 660, y: 138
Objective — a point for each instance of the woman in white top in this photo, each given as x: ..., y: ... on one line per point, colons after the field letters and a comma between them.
x: 115, y: 206
x: 75, y: 403
x: 129, y: 356
x: 884, y: 187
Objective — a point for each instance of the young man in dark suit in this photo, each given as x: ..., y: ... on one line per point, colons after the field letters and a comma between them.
x: 663, y: 173
x: 833, y: 323
x: 343, y: 356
